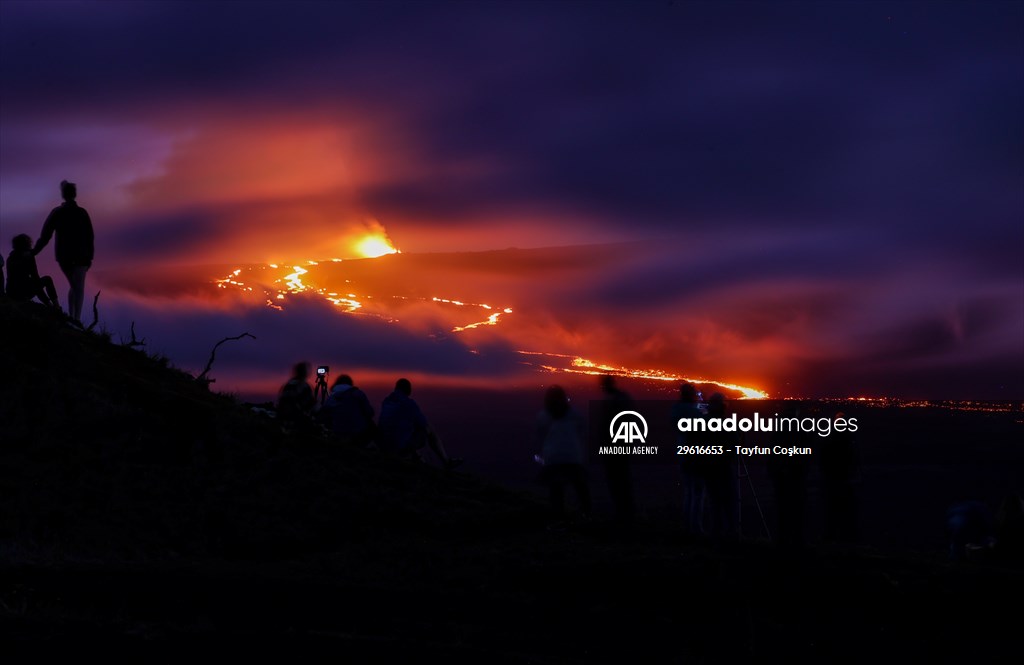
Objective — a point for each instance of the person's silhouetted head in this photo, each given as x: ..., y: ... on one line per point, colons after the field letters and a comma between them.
x: 21, y: 243
x: 716, y: 405
x: 403, y: 386
x: 343, y: 380
x: 68, y: 190
x: 300, y: 371
x: 607, y: 383
x: 687, y: 393
x: 556, y: 402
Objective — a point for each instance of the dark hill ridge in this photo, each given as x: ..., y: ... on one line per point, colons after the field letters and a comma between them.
x: 134, y: 504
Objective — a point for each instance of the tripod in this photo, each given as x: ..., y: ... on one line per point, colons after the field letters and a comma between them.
x: 320, y: 388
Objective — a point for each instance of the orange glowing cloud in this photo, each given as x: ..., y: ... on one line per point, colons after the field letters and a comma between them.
x: 276, y: 186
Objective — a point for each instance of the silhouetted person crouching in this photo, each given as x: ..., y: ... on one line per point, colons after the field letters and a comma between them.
x: 403, y: 429
x: 23, y: 280
x: 347, y: 413
x: 73, y: 246
x: 561, y: 433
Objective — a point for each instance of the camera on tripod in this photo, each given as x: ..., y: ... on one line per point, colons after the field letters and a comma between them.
x: 320, y: 389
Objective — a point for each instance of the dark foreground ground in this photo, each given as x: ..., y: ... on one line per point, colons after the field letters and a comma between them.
x: 136, y: 508
x: 534, y: 598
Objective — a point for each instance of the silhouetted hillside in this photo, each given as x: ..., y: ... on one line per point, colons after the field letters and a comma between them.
x: 136, y: 505
x: 109, y: 451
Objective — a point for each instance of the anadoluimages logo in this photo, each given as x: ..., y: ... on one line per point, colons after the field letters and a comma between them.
x: 628, y: 427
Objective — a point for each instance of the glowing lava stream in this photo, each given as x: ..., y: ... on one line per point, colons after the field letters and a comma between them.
x: 294, y: 284
x: 584, y: 366
x: 491, y: 320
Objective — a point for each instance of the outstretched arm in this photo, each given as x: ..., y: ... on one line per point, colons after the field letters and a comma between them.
x: 45, y: 236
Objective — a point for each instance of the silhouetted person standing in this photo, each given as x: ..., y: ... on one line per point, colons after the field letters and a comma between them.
x: 2, y: 290
x: 561, y: 433
x: 295, y: 402
x: 73, y: 246
x: 347, y: 412
x: 403, y: 429
x: 837, y: 459
x: 789, y: 477
x: 23, y: 280
x: 720, y: 474
x: 616, y: 467
x: 694, y: 488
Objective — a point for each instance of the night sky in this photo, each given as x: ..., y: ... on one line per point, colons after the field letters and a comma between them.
x: 811, y: 198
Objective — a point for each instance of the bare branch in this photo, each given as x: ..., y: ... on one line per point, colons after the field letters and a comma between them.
x: 213, y: 354
x: 134, y: 341
x: 95, y: 312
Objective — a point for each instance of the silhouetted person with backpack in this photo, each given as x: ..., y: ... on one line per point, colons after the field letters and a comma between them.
x: 616, y: 467
x: 73, y: 246
x: 295, y: 402
x: 561, y: 433
x: 403, y: 429
x: 23, y: 280
x: 347, y: 413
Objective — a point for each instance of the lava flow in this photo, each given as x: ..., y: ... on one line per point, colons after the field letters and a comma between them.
x: 580, y: 365
x: 279, y: 283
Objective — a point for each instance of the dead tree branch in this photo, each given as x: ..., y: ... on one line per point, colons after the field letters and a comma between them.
x: 213, y: 355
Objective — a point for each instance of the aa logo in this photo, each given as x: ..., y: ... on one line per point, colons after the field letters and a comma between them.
x: 628, y: 427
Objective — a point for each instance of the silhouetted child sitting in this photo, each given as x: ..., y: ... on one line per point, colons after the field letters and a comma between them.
x: 23, y: 280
